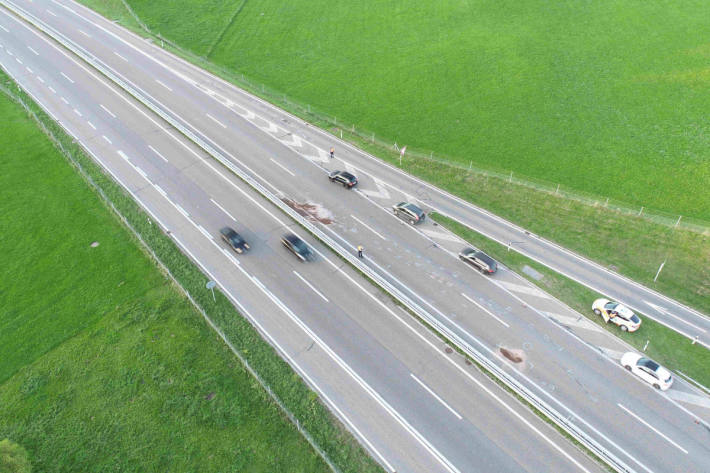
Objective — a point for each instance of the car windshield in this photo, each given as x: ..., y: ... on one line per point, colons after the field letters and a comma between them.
x: 611, y: 305
x: 650, y: 364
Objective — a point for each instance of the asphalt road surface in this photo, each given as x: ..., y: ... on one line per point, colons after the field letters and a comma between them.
x: 568, y: 367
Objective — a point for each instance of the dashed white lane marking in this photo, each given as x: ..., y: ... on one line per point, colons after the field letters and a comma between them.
x: 29, y: 70
x: 486, y: 310
x: 441, y: 235
x: 523, y: 289
x: 368, y: 227
x: 67, y: 77
x: 575, y: 321
x: 91, y: 124
x: 66, y: 102
x: 216, y: 121
x: 156, y: 80
x: 51, y: 13
x: 156, y: 152
x: 18, y: 60
x: 4, y: 29
x: 141, y: 172
x: 107, y: 111
x: 35, y: 52
x: 120, y: 56
x: 85, y: 33
x: 282, y: 167
x: 77, y: 112
x: 652, y: 428
x: 311, y: 286
x: 688, y: 398
x: 40, y: 79
x: 435, y: 396
x: 223, y: 209
x: 107, y: 140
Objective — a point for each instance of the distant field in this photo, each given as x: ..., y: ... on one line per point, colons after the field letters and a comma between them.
x: 103, y: 365
x: 607, y: 97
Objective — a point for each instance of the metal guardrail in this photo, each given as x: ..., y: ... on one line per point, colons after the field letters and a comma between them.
x: 523, y: 391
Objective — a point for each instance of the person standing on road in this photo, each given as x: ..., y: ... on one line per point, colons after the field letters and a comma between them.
x: 359, y: 251
x: 332, y: 152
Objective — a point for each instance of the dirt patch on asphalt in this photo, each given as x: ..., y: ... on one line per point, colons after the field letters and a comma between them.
x: 513, y: 354
x: 313, y: 212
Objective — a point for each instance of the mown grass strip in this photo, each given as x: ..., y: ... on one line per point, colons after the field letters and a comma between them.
x: 666, y: 346
x: 326, y: 431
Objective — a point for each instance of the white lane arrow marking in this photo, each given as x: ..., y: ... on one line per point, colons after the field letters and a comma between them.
x: 440, y: 235
x: 665, y: 311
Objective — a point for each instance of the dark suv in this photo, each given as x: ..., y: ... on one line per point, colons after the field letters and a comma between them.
x: 409, y: 212
x: 297, y: 246
x: 344, y: 178
x: 234, y: 239
x: 479, y: 259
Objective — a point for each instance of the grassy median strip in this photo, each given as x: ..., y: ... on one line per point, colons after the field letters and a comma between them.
x: 106, y: 366
x: 666, y: 346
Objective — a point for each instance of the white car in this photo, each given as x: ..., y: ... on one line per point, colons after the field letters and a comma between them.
x: 648, y: 370
x: 617, y: 314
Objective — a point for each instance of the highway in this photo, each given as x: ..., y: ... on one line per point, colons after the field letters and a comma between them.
x: 286, y: 155
x: 392, y: 383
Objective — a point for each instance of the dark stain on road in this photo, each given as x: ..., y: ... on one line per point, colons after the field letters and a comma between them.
x: 516, y: 356
x: 312, y: 212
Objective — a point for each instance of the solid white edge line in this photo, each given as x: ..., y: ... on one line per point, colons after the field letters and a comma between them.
x: 160, y: 190
x: 368, y: 227
x: 653, y: 428
x: 282, y: 167
x: 223, y: 209
x: 310, y: 285
x: 158, y: 153
x: 485, y: 310
x: 215, y: 120
x: 436, y: 396
x: 204, y: 232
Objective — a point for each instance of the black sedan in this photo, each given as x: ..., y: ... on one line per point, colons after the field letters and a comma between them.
x: 344, y: 178
x: 297, y: 246
x: 234, y: 239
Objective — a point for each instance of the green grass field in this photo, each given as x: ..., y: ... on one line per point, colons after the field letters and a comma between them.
x: 605, y: 97
x: 104, y: 365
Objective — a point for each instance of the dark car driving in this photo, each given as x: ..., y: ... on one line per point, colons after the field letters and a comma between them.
x: 409, y: 212
x: 344, y: 178
x: 234, y: 239
x: 479, y: 259
x: 297, y: 246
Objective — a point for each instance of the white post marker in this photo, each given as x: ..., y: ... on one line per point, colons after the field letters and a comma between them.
x: 210, y: 285
x: 401, y: 153
x: 659, y: 270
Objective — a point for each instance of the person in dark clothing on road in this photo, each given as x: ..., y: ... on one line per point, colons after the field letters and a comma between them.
x: 359, y: 251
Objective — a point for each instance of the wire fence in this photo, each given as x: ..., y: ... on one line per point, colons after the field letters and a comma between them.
x: 351, y: 132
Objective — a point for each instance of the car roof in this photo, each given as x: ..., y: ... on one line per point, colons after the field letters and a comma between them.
x: 410, y: 206
x: 347, y: 175
x: 226, y: 230
x: 649, y: 363
x: 484, y: 257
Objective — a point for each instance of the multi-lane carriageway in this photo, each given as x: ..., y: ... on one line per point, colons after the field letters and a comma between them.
x: 415, y: 407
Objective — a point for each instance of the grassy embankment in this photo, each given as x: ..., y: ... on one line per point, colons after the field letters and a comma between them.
x: 105, y: 366
x: 666, y: 346
x: 504, y: 85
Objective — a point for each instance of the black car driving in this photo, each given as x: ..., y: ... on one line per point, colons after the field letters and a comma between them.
x: 234, y: 239
x: 297, y: 246
x: 344, y: 178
